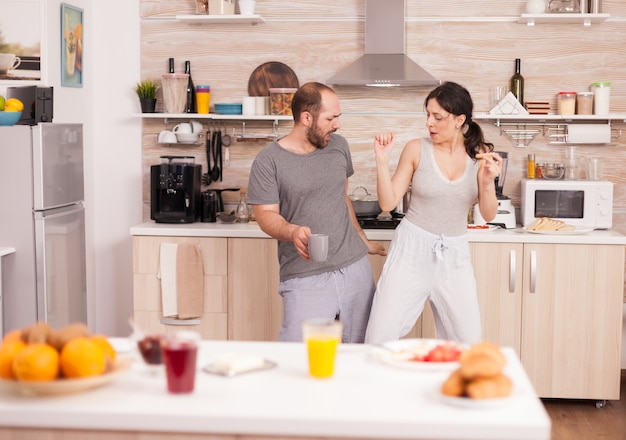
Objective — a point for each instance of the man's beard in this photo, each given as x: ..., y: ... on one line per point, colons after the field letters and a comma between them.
x: 315, y: 137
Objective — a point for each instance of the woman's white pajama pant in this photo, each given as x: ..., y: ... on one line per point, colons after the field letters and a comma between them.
x: 422, y: 266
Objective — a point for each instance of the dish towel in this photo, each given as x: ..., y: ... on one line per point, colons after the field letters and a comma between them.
x: 189, y: 281
x: 167, y: 274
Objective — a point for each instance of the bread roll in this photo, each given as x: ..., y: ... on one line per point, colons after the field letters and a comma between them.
x: 454, y: 385
x: 490, y: 387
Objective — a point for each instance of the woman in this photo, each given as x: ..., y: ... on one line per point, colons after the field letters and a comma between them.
x: 429, y: 256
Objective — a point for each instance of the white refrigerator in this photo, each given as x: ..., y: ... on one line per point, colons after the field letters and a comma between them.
x: 42, y: 216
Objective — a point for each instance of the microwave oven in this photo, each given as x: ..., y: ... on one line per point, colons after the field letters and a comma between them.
x: 580, y: 203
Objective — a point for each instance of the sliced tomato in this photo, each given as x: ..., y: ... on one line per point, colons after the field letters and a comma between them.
x: 443, y: 353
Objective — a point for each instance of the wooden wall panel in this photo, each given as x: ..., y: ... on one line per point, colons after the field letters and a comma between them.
x: 472, y: 42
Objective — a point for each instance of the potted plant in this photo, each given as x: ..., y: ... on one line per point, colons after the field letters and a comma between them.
x: 146, y: 91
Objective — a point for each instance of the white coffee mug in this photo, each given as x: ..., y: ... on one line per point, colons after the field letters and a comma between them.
x: 196, y: 127
x: 183, y: 127
x: 246, y: 7
x: 318, y: 247
x: 167, y: 137
x: 8, y: 61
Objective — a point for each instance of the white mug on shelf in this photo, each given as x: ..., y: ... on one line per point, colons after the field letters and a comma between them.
x: 246, y: 7
x: 183, y: 127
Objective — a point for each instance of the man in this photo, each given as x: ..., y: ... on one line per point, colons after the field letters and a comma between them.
x: 297, y: 187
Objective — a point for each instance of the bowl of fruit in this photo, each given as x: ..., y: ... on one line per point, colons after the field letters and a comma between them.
x: 10, y: 111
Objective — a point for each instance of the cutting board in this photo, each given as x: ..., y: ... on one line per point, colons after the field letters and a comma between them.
x: 269, y: 75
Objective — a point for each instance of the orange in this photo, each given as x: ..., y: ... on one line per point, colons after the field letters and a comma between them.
x: 8, y: 350
x: 36, y: 362
x: 82, y: 357
x: 12, y: 336
x: 105, y: 345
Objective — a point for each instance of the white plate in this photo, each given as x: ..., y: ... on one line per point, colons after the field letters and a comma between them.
x: 466, y: 402
x: 65, y: 386
x: 577, y: 231
x: 399, y: 354
x: 481, y: 227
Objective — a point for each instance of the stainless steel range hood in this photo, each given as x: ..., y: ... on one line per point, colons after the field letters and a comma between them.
x: 384, y: 63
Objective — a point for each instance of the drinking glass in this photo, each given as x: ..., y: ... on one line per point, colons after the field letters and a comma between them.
x: 321, y: 337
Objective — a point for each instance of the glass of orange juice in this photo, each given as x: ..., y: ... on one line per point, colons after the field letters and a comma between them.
x: 321, y: 337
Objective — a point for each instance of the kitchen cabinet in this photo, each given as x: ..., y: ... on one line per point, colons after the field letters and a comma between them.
x: 147, y: 289
x: 572, y: 319
x: 559, y: 306
x: 255, y: 308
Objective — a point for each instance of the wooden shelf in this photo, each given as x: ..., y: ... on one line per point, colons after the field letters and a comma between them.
x: 551, y: 117
x: 585, y: 19
x: 220, y: 19
x: 216, y: 117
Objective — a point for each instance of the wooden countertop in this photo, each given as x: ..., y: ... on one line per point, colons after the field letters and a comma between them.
x: 366, y: 399
x: 252, y: 230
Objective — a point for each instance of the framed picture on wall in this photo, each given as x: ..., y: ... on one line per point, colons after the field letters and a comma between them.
x: 22, y: 46
x: 71, y: 46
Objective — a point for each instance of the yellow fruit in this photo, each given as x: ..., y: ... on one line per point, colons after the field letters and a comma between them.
x: 8, y: 351
x: 36, y: 362
x: 11, y: 108
x: 2, y: 103
x: 107, y: 348
x: 15, y: 103
x: 82, y: 357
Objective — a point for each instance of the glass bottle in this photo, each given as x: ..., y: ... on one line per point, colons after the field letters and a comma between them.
x: 564, y: 6
x: 171, y: 65
x: 243, y: 213
x: 517, y: 82
x: 191, y: 91
x: 531, y: 166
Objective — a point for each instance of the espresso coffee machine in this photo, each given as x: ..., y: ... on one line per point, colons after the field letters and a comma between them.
x: 175, y: 190
x: 505, y: 217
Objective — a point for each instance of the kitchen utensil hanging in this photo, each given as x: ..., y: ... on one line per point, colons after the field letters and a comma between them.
x: 226, y: 141
x: 206, y: 177
x: 255, y: 137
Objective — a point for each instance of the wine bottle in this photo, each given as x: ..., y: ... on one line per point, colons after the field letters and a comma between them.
x: 171, y: 65
x: 191, y: 91
x: 517, y: 82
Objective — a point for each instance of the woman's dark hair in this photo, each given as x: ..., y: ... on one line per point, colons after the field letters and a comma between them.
x: 455, y: 99
x: 308, y: 98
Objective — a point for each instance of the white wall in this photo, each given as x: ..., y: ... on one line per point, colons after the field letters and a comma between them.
x: 107, y: 106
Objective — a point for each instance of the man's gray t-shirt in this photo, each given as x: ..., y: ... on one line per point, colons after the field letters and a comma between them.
x: 311, y: 191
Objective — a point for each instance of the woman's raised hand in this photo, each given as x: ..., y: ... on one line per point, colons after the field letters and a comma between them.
x: 383, y: 143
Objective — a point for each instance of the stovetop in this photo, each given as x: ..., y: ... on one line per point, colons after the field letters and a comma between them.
x: 379, y: 223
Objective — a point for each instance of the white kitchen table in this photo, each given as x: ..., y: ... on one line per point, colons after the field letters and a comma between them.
x: 365, y: 399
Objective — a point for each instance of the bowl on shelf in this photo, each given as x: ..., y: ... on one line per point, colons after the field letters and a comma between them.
x: 187, y: 138
x: 9, y: 118
x: 553, y: 171
x: 226, y: 217
x: 228, y: 109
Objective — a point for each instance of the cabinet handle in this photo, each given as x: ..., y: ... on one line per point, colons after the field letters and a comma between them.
x: 533, y: 271
x: 512, y: 272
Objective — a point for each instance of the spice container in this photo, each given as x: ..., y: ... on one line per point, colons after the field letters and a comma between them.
x: 566, y: 103
x: 554, y: 171
x: 584, y: 103
x: 280, y: 100
x: 601, y: 97
x: 539, y: 170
